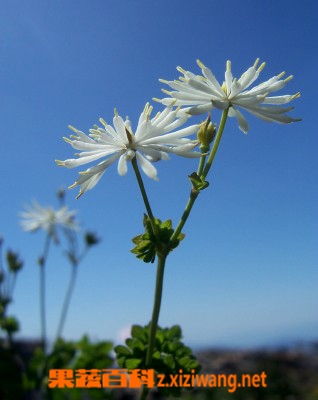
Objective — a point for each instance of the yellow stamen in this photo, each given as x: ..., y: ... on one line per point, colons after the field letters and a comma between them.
x: 256, y: 62
x: 183, y: 71
x: 60, y: 163
x: 261, y: 67
x: 67, y: 140
x: 200, y: 64
x: 102, y: 121
x: 72, y: 128
x: 290, y: 77
x: 281, y: 75
x: 164, y: 81
x: 166, y: 92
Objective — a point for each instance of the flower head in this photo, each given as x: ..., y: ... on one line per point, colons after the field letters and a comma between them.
x: 203, y: 93
x: 37, y: 217
x: 152, y: 141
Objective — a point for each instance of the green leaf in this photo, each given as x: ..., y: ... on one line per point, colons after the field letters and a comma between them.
x: 121, y: 362
x: 133, y: 363
x: 166, y: 224
x: 197, y: 182
x: 185, y: 362
x: 156, y: 355
x: 122, y: 350
x: 138, y: 332
x: 174, y: 332
x: 169, y: 361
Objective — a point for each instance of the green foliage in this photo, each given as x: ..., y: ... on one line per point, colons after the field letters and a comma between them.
x: 68, y: 355
x: 197, y: 182
x: 8, y: 275
x: 14, y: 262
x: 10, y: 373
x: 150, y: 243
x: 170, y: 355
x: 9, y: 324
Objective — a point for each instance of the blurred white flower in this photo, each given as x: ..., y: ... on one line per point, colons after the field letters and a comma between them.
x: 152, y: 141
x: 124, y: 333
x: 36, y: 217
x: 200, y: 94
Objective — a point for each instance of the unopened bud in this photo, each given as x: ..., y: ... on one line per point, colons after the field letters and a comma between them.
x: 14, y: 263
x: 61, y: 194
x: 91, y: 239
x: 206, y: 134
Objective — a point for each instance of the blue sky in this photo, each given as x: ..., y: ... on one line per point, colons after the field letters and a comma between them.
x: 247, y: 272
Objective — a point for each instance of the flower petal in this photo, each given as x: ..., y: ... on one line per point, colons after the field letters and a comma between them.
x: 147, y: 167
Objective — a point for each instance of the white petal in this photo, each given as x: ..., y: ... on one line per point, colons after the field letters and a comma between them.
x: 147, y: 167
x: 153, y: 154
x: 122, y: 165
x: 119, y: 125
x: 280, y: 99
x: 248, y: 78
x: 243, y: 125
x: 202, y: 88
x: 200, y: 109
x: 271, y: 117
x: 102, y: 165
x: 178, y: 122
x: 82, y: 135
x: 162, y: 115
x: 212, y: 82
x: 87, y: 182
x: 197, y: 97
x: 166, y: 139
x: 79, y: 145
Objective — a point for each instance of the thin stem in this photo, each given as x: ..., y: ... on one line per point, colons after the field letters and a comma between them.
x: 144, y: 195
x: 155, y: 316
x: 194, y: 193
x: 215, y: 144
x: 67, y: 301
x: 201, y: 164
x: 42, y: 263
x: 156, y: 308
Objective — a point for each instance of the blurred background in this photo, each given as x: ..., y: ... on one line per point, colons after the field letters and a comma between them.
x: 246, y: 274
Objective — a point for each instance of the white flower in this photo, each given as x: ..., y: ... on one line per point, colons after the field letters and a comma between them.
x: 203, y: 93
x: 37, y: 217
x: 151, y: 142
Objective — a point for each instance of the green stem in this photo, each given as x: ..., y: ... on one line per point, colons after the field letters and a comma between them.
x: 201, y: 164
x: 144, y: 196
x: 42, y: 263
x: 155, y: 316
x: 67, y: 301
x: 194, y: 193
x: 215, y: 144
x: 156, y: 307
x: 192, y: 198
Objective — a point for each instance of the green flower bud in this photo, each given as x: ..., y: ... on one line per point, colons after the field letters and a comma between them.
x: 9, y: 324
x: 91, y: 239
x: 14, y: 263
x: 206, y: 134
